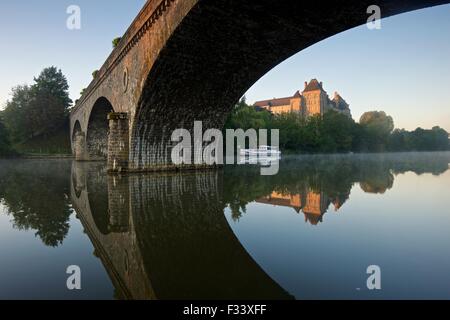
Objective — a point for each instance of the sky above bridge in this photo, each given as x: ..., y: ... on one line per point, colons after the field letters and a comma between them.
x: 403, y: 68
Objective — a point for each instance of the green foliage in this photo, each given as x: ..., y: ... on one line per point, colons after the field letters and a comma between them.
x: 83, y: 91
x: 39, y: 109
x: 420, y: 139
x: 116, y: 41
x: 246, y: 117
x: 377, y: 126
x: 51, y: 81
x: 94, y: 74
x: 58, y: 143
x: 336, y: 133
x: 15, y: 116
x: 331, y: 133
x: 30, y: 206
x: 5, y: 143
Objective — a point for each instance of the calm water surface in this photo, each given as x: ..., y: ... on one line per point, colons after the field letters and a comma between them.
x: 309, y: 232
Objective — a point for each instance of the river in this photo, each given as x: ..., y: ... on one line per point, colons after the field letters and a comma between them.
x: 309, y: 232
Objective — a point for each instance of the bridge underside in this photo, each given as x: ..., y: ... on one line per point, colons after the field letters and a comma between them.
x: 209, y: 60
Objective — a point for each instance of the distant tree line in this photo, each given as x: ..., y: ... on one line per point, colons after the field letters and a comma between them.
x: 36, y: 110
x: 333, y: 180
x: 5, y: 142
x: 335, y: 132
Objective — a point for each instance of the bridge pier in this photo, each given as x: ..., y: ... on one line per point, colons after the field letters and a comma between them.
x: 118, y: 203
x: 118, y: 142
x: 79, y: 146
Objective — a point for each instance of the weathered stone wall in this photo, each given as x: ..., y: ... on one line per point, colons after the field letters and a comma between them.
x: 118, y: 142
x: 79, y: 146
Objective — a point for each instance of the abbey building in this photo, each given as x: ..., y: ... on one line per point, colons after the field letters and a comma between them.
x: 311, y: 101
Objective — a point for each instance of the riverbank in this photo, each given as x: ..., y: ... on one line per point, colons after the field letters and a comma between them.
x: 46, y: 156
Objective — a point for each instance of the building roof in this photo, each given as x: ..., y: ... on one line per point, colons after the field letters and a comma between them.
x: 313, y: 85
x: 274, y: 102
x: 339, y: 102
x: 297, y: 94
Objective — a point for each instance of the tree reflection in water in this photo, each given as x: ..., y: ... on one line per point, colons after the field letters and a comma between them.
x: 36, y: 196
x: 311, y: 183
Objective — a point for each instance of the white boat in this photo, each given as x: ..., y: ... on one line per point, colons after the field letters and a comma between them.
x: 262, y: 151
x: 263, y: 161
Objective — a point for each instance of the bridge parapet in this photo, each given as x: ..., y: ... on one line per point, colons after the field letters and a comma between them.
x: 152, y: 11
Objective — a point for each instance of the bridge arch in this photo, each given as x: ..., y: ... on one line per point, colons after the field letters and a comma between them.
x: 97, y: 130
x: 78, y: 141
x: 97, y: 186
x: 199, y: 75
x: 182, y: 61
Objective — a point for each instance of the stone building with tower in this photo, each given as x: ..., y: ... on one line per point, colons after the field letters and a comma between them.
x: 312, y: 100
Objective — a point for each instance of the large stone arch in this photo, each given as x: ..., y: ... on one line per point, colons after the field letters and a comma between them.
x: 97, y: 130
x: 186, y: 60
x: 218, y: 51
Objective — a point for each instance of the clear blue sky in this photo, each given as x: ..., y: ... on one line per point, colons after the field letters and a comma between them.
x: 403, y: 69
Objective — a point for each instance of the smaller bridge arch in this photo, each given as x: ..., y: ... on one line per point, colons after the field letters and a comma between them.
x: 78, y: 141
x: 97, y: 130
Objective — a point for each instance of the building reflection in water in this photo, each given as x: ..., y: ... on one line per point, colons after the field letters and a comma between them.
x: 313, y: 204
x: 311, y: 184
x: 164, y: 236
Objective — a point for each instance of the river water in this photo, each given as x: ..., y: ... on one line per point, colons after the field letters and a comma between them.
x: 309, y: 232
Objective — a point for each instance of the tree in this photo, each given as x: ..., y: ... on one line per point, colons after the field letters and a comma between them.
x: 440, y: 139
x: 400, y: 140
x: 420, y: 139
x: 39, y: 109
x: 5, y: 143
x: 339, y: 130
x: 49, y: 102
x: 246, y: 117
x: 16, y: 116
x: 52, y: 81
x: 116, y: 41
x: 47, y: 114
x: 378, y: 127
x: 429, y: 140
x: 291, y: 129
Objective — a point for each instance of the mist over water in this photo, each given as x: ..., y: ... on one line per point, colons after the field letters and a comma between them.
x: 308, y: 232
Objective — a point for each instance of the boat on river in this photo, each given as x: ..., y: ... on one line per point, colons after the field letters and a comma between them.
x: 262, y: 151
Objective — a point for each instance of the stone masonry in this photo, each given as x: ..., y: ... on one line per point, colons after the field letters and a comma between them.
x: 118, y: 142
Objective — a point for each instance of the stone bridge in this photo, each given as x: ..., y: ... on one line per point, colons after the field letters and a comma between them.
x: 165, y: 236
x: 182, y: 61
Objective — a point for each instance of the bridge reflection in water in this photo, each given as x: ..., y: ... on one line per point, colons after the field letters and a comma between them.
x: 165, y: 236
